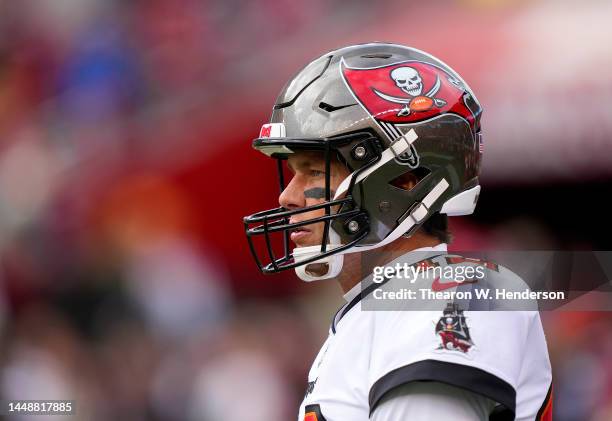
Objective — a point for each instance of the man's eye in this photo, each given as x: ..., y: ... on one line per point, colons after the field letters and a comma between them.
x: 316, y: 173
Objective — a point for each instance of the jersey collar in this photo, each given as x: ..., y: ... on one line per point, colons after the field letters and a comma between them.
x: 410, y: 257
x: 367, y: 285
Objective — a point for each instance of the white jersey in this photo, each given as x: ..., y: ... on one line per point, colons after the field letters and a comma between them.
x: 368, y: 355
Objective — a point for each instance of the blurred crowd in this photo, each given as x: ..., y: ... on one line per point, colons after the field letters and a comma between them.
x: 125, y: 170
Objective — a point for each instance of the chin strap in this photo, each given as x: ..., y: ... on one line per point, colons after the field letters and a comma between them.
x: 397, y: 148
x: 334, y: 262
x: 461, y: 204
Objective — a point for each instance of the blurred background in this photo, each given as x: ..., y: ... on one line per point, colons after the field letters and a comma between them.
x: 126, y: 169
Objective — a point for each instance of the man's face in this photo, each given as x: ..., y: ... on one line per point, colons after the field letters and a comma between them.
x: 307, y: 188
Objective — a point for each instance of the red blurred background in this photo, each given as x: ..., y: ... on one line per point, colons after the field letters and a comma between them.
x: 126, y: 169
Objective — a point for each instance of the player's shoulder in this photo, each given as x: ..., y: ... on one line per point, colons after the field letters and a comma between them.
x: 450, y: 341
x: 506, y: 290
x: 490, y: 271
x: 429, y: 283
x: 404, y: 311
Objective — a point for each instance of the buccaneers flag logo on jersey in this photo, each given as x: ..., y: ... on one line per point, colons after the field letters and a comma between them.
x: 410, y: 91
x: 453, y: 330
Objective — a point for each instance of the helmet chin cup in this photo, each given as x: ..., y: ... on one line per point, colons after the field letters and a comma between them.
x: 324, y: 268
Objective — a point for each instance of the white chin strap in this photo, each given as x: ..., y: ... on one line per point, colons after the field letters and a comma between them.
x: 397, y: 148
x: 460, y: 204
x: 334, y: 262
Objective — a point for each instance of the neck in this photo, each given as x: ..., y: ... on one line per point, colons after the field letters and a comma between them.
x: 357, y: 265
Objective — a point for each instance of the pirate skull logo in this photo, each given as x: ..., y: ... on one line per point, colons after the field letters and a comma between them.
x: 410, y: 81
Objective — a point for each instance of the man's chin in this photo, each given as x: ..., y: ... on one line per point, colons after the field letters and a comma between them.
x: 307, y: 243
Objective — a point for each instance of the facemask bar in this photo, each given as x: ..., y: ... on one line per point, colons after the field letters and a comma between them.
x: 281, y: 185
x: 327, y: 198
x: 277, y: 220
x: 267, y: 227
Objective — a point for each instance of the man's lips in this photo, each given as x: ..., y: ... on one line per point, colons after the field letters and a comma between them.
x: 298, y: 234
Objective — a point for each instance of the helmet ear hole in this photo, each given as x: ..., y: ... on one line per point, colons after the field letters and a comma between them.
x: 409, y: 179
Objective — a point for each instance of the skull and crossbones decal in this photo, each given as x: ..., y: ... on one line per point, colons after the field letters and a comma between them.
x: 410, y: 81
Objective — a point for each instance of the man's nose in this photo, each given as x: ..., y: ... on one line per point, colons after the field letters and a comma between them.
x: 293, y: 195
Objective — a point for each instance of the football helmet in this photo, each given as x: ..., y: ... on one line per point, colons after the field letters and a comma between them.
x: 382, y: 110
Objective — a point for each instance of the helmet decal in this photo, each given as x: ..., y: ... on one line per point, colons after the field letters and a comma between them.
x: 272, y: 130
x: 409, y: 91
